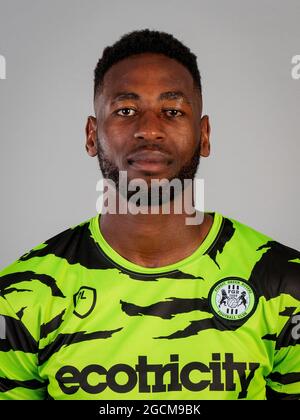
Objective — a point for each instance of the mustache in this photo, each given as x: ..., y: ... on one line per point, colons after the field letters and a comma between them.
x: 144, y: 146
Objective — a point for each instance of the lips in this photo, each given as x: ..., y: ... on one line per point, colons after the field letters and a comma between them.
x: 149, y: 161
x: 151, y: 156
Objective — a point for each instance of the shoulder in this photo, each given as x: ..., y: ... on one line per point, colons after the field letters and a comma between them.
x: 45, y: 268
x: 39, y: 279
x: 276, y: 266
x: 62, y: 243
x: 66, y: 245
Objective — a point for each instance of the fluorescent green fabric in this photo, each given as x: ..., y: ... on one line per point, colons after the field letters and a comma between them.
x: 79, y: 321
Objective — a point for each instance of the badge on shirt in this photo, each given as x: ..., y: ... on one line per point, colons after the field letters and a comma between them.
x: 232, y: 298
x: 84, y: 301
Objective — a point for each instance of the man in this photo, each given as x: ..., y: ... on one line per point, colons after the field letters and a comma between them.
x: 141, y: 305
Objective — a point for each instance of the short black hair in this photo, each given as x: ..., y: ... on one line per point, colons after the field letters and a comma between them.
x: 143, y: 41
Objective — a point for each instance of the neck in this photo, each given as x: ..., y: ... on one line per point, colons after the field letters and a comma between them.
x: 155, y: 240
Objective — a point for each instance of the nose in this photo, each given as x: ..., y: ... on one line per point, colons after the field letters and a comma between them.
x: 149, y: 127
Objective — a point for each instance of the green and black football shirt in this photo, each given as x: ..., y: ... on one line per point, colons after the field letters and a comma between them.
x: 79, y: 321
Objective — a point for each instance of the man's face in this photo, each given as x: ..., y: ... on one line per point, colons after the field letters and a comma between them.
x: 148, y: 120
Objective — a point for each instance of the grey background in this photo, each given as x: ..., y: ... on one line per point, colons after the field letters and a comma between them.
x: 244, y: 51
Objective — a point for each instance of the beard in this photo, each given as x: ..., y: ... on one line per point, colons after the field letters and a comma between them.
x: 185, y: 175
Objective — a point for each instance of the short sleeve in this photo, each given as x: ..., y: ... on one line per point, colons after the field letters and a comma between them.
x: 284, y: 380
x: 19, y: 379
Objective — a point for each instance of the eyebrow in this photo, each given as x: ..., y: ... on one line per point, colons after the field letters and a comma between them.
x: 174, y: 95
x: 170, y: 95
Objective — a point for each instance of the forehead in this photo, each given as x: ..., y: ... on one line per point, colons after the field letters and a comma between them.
x: 147, y: 70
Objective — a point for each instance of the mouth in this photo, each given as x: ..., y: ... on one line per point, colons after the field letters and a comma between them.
x: 150, y: 161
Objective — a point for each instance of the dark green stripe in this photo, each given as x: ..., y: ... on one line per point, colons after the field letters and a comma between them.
x: 52, y: 325
x: 274, y: 395
x: 287, y: 378
x: 9, y: 384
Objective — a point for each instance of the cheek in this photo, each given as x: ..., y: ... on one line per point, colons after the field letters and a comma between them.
x: 185, y: 142
x: 112, y: 139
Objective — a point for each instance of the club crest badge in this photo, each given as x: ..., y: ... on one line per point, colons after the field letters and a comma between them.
x: 232, y: 298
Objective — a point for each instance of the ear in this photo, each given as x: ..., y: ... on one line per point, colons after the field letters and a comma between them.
x: 205, y: 133
x: 91, y: 136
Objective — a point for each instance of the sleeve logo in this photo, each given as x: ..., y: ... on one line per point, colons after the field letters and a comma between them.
x: 232, y: 298
x: 84, y: 301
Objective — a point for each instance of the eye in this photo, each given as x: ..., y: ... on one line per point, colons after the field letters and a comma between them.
x: 126, y: 112
x: 173, y: 113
